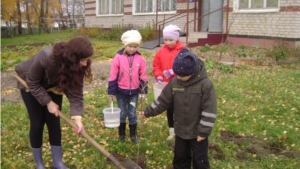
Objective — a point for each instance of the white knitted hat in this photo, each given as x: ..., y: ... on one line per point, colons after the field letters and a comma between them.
x: 131, y: 37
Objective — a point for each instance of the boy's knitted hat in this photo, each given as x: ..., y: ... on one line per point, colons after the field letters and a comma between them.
x: 131, y: 37
x: 185, y: 63
x: 171, y: 32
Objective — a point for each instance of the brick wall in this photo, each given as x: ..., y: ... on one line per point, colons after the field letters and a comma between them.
x: 91, y: 20
x: 282, y: 24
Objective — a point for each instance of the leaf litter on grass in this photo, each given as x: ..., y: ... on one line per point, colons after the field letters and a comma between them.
x: 243, y: 91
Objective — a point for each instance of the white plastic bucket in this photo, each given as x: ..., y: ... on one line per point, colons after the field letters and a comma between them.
x: 112, y: 117
x: 158, y: 87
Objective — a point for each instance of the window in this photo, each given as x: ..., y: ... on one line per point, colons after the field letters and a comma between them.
x: 247, y: 6
x: 149, y: 6
x: 110, y: 7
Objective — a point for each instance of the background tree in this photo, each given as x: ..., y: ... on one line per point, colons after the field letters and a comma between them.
x: 42, y: 17
x: 28, y: 17
x: 40, y: 13
x: 19, y: 17
x: 77, y: 8
x: 8, y: 8
x: 46, y: 16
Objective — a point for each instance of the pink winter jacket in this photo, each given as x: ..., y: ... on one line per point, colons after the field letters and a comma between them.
x: 128, y: 74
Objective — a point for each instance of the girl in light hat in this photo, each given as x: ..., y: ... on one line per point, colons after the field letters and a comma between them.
x: 162, y: 64
x: 128, y: 79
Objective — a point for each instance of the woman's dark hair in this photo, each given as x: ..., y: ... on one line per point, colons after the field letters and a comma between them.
x: 67, y: 56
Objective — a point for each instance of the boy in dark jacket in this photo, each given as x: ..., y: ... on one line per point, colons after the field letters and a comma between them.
x: 195, y: 110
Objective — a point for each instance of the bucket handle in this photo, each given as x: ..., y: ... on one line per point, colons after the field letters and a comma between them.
x: 112, y: 107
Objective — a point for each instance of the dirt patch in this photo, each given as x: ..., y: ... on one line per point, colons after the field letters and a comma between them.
x: 256, y: 149
x: 140, y: 160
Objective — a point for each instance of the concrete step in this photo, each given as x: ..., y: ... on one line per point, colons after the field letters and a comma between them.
x: 194, y: 36
x: 199, y: 35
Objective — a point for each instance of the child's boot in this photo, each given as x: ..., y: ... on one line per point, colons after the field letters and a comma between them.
x: 37, y: 154
x: 122, y: 129
x: 172, y: 134
x: 133, y: 133
x: 57, y: 158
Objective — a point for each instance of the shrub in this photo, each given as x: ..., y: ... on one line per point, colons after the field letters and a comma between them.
x: 4, y: 66
x: 223, y: 47
x: 295, y: 52
x: 279, y: 51
x: 147, y: 32
x: 242, y: 51
x: 115, y: 33
x: 225, y: 68
x: 205, y: 48
x: 210, y: 63
x: 91, y: 32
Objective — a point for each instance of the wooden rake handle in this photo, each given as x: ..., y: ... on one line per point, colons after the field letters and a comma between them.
x: 82, y: 133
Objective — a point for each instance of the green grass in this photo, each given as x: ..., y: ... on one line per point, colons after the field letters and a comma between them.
x: 15, y: 50
x: 257, y: 125
x: 38, y: 38
x: 257, y: 104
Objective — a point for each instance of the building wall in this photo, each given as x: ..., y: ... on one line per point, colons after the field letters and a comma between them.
x: 283, y: 24
x: 129, y: 18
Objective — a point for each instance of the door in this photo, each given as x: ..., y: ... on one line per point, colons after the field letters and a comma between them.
x: 205, y: 19
x: 211, y: 22
x: 216, y: 18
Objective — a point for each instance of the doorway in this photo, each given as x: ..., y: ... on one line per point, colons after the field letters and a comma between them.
x: 212, y: 23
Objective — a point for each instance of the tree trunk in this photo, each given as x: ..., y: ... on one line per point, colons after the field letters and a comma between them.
x: 73, y: 21
x: 42, y: 22
x: 8, y: 30
x: 69, y: 17
x: 19, y: 18
x: 46, y: 15
x: 12, y: 29
x: 28, y: 19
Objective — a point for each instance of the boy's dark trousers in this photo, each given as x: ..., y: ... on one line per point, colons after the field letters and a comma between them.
x: 184, y: 149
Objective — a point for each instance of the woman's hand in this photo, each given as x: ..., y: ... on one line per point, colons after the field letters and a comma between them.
x: 199, y: 138
x: 78, y: 123
x: 53, y: 108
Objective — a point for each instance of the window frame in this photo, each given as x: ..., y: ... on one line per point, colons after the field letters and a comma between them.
x: 153, y: 9
x: 110, y: 9
x: 236, y: 4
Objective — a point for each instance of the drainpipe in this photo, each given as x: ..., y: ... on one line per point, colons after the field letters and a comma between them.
x: 227, y: 11
x: 187, y: 26
x: 195, y: 10
x: 159, y: 36
x: 156, y: 14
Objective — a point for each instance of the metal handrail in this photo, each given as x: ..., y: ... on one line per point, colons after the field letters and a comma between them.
x: 172, y: 17
x: 186, y: 24
x: 165, y: 23
x: 203, y: 16
x: 164, y: 20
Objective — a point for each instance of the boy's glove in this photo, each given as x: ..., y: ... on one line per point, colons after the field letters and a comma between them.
x: 159, y: 79
x: 168, y: 73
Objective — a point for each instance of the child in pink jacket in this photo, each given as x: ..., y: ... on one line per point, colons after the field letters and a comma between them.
x: 128, y: 79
